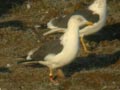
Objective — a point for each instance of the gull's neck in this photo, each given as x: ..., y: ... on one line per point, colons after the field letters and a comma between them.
x: 72, y: 26
x: 72, y: 37
x: 99, y: 7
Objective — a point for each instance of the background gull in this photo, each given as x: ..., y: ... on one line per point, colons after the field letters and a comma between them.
x: 70, y: 43
x: 96, y: 13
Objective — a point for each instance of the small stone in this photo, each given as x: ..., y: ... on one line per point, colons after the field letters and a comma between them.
x: 8, y: 65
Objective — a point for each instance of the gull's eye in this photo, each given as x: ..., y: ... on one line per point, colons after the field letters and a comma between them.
x: 79, y: 19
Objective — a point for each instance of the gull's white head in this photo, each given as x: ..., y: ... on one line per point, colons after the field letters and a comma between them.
x: 98, y: 6
x: 76, y: 21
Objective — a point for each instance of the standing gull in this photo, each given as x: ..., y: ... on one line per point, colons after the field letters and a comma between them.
x: 95, y: 13
x: 70, y: 43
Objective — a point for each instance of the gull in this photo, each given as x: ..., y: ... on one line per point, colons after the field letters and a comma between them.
x: 70, y: 42
x: 95, y: 13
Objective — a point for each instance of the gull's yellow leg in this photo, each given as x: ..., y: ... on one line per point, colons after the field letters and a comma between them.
x: 89, y: 23
x: 52, y: 77
x: 51, y: 74
x: 83, y: 44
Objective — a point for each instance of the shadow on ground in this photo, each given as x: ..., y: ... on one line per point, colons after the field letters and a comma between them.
x: 86, y: 63
x: 90, y: 62
x: 13, y: 23
x: 109, y: 32
x: 6, y: 5
x: 4, y: 70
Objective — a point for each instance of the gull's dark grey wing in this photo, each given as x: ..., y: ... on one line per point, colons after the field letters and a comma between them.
x: 51, y: 46
x: 88, y: 15
x: 62, y: 21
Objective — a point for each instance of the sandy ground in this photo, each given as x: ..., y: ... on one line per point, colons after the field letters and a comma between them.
x: 99, y: 70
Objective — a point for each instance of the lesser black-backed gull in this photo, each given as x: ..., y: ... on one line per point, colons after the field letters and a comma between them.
x: 70, y: 43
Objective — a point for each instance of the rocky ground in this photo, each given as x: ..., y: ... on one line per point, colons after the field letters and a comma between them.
x: 99, y: 70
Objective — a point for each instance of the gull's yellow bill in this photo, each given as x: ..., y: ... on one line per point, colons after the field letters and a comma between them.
x: 89, y: 23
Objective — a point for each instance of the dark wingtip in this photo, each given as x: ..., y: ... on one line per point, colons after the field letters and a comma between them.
x: 27, y: 61
x: 24, y: 61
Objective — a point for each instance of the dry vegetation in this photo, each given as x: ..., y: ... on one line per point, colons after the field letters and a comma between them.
x: 99, y: 70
